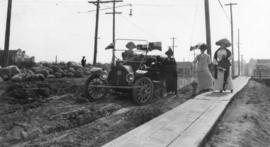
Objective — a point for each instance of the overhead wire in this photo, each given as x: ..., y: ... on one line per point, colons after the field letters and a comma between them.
x: 107, y: 8
x: 158, y: 5
x: 140, y: 28
x: 221, y: 5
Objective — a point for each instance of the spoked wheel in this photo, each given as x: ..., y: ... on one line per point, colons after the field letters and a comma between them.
x: 142, y: 92
x: 93, y: 92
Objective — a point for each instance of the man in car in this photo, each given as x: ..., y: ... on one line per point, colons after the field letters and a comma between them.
x: 129, y: 54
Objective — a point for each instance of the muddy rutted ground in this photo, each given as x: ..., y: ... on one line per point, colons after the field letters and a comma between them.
x: 55, y: 113
x: 246, y: 121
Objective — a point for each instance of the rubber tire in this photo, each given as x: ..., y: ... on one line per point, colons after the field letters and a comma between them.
x: 146, y: 82
x: 88, y: 95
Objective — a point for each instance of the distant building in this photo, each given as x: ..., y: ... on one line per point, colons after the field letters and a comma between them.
x: 185, y: 69
x: 263, y: 63
x: 16, y: 57
x: 262, y: 68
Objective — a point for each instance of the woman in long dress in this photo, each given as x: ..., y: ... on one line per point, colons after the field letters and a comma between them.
x: 222, y: 57
x: 204, y: 77
x: 170, y: 73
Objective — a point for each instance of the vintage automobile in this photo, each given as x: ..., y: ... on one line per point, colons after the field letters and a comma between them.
x: 136, y: 73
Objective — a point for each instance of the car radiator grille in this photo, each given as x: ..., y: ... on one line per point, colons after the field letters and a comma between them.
x: 118, y: 78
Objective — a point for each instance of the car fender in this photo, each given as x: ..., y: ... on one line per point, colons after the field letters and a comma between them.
x: 141, y: 73
x: 95, y: 71
x: 128, y: 68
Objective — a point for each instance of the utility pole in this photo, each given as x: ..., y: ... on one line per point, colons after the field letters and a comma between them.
x: 113, y: 28
x: 239, y: 64
x: 242, y: 65
x: 7, y: 35
x: 231, y: 4
x: 97, y: 3
x: 207, y: 25
x: 173, y: 45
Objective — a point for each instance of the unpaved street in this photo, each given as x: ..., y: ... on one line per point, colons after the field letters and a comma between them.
x: 54, y: 113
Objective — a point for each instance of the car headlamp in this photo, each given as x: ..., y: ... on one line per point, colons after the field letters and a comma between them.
x: 104, y: 76
x: 130, y: 78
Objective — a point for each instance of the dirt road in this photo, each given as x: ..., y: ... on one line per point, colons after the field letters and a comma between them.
x: 53, y: 113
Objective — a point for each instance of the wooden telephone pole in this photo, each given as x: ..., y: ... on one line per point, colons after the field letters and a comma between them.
x: 7, y: 35
x: 242, y: 66
x: 207, y: 25
x: 97, y: 3
x: 239, y: 62
x: 173, y: 44
x: 113, y: 28
x: 231, y: 4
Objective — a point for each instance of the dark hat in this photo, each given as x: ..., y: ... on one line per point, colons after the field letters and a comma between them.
x: 169, y: 52
x: 203, y: 47
x: 224, y: 41
x: 110, y: 46
x: 130, y: 45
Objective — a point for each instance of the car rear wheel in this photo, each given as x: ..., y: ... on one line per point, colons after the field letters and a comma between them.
x: 142, y: 92
x: 92, y: 91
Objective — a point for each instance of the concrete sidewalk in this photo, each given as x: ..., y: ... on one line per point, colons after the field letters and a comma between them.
x: 184, y: 126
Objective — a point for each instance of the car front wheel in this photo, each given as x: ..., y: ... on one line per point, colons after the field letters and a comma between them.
x: 142, y: 92
x: 94, y: 89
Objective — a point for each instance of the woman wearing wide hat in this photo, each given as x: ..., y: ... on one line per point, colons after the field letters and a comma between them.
x: 170, y: 72
x: 222, y: 74
x: 203, y: 74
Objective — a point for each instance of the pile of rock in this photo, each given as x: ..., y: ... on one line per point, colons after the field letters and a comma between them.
x: 8, y: 72
x: 26, y: 93
x: 42, y: 71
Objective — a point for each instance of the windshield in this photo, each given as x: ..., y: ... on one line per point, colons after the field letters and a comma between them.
x: 130, y: 50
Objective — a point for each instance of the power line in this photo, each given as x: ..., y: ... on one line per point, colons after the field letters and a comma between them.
x: 140, y: 28
x: 223, y: 10
x: 160, y: 5
x: 109, y: 8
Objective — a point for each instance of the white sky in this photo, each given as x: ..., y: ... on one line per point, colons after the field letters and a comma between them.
x: 46, y: 28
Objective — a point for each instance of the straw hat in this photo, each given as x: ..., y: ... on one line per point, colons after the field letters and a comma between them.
x: 224, y: 41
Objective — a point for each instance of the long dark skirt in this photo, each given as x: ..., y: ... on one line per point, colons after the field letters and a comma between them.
x: 171, y: 81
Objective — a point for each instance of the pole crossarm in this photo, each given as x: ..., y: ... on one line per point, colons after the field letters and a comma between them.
x: 113, y: 13
x: 94, y: 2
x: 111, y: 7
x: 229, y: 4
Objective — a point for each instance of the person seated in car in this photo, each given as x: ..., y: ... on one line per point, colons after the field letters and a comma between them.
x: 129, y: 54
